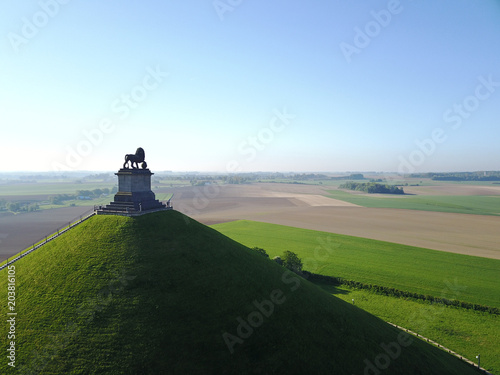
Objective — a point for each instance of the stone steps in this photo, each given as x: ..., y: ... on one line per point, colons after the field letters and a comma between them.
x: 134, y: 196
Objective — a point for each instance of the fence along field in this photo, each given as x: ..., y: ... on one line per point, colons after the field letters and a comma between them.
x: 465, y: 331
x: 381, y: 263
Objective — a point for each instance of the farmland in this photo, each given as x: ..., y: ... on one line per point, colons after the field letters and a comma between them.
x: 466, y: 204
x: 177, y: 290
x: 441, y: 274
x: 425, y: 271
x: 299, y: 202
x: 439, y: 238
x: 467, y: 332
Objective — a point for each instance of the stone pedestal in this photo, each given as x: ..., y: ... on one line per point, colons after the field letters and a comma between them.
x: 134, y: 193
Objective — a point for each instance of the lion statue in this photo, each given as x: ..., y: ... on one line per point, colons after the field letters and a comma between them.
x: 136, y: 158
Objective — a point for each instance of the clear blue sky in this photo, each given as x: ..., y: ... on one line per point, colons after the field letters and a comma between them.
x: 255, y: 85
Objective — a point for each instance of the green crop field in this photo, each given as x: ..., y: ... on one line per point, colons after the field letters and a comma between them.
x: 464, y: 331
x: 464, y: 204
x: 440, y: 274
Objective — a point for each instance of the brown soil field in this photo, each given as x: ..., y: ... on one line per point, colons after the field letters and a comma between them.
x: 303, y: 206
x: 18, y: 232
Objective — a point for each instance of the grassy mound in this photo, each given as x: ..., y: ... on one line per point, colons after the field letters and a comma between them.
x: 164, y: 294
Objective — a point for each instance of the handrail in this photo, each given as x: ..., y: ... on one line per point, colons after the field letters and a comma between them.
x: 49, y: 238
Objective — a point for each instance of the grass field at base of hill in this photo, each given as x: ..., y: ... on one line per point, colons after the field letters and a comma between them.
x: 463, y: 204
x: 429, y: 272
x: 466, y: 332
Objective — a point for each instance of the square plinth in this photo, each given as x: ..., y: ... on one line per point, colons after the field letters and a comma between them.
x: 134, y: 180
x: 134, y: 193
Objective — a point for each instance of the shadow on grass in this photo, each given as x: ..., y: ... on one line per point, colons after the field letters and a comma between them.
x: 331, y: 288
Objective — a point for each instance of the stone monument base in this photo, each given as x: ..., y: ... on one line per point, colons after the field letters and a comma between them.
x: 134, y: 195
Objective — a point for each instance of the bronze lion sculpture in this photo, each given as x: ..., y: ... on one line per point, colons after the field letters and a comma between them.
x: 136, y: 158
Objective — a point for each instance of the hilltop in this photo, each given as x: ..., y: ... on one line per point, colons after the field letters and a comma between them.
x: 162, y: 293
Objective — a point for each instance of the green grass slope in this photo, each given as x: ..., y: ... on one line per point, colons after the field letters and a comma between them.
x: 164, y: 294
x: 414, y: 269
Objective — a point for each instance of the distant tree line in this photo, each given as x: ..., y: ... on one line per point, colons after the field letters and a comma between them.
x: 86, y: 194
x: 60, y: 198
x: 387, y: 291
x: 18, y: 206
x: 372, y: 187
x: 198, y: 182
x: 308, y: 176
x: 96, y: 193
x: 461, y: 176
x: 235, y: 179
x: 352, y: 176
x: 105, y: 177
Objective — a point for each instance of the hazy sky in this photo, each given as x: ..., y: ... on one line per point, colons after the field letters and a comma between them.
x: 230, y: 85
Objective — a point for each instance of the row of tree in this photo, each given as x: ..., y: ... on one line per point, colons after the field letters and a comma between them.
x: 289, y: 259
x: 372, y: 187
x: 81, y: 194
x: 461, y: 176
x: 393, y: 292
x: 235, y: 180
x: 292, y: 261
x: 96, y: 193
x: 18, y: 206
x: 352, y: 176
x: 307, y: 176
x: 57, y: 199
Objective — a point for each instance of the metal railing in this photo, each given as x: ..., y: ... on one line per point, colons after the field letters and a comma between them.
x: 78, y: 220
